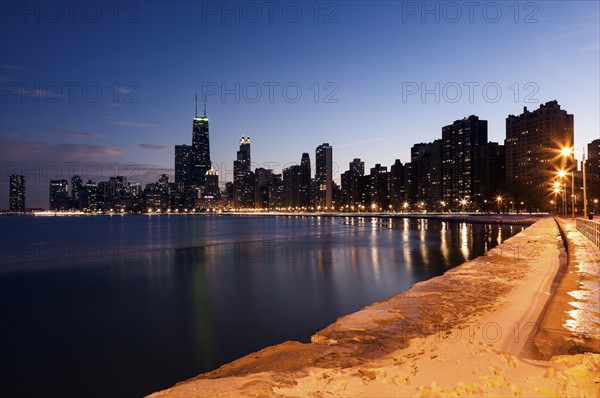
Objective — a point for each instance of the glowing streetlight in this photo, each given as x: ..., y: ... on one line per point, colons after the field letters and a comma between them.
x: 463, y: 203
x: 566, y: 152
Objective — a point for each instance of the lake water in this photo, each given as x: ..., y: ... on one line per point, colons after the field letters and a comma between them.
x: 124, y: 306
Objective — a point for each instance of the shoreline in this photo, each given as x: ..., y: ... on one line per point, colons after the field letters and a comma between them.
x: 475, y: 218
x: 473, y: 316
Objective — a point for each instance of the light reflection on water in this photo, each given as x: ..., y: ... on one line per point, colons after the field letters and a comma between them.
x: 173, y: 296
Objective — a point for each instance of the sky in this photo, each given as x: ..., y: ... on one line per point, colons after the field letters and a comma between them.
x: 105, y: 88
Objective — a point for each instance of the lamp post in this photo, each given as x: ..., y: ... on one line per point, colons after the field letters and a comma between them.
x: 463, y: 202
x: 556, y: 191
x: 573, y: 193
x: 584, y: 184
x: 562, y: 174
x: 565, y: 152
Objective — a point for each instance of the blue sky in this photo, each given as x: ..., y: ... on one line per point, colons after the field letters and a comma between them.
x: 103, y: 85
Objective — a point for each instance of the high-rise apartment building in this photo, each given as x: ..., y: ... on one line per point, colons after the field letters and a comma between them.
x: 183, y: 164
x: 324, y: 175
x: 533, y: 144
x: 59, y: 193
x: 17, y: 193
x: 459, y: 141
x: 243, y: 179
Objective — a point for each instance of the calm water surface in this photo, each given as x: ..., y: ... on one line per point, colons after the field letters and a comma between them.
x: 124, y: 306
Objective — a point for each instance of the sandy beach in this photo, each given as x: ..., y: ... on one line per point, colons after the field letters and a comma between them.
x: 469, y: 332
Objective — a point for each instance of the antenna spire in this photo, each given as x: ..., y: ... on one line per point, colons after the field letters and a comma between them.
x: 204, y: 101
x: 196, y: 113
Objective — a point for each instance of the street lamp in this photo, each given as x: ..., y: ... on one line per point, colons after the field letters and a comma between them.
x: 562, y: 174
x: 556, y: 191
x: 565, y: 152
x: 463, y: 202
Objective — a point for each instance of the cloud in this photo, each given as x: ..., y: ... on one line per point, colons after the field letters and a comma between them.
x: 14, y: 67
x: 38, y: 152
x: 129, y: 123
x: 79, y: 134
x: 156, y: 147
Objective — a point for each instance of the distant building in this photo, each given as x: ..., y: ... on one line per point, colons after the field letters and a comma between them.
x: 380, y: 198
x: 243, y: 178
x: 304, y: 197
x: 489, y: 174
x: 59, y: 194
x: 592, y: 169
x: 200, y: 148
x: 324, y: 175
x: 351, y: 193
x: 358, y: 166
x: 459, y: 141
x: 17, y: 193
x: 533, y: 143
x: 193, y: 162
x: 276, y: 192
x: 291, y: 183
x: 425, y: 174
x: 212, y: 184
x: 183, y: 164
x: 397, y: 190
x: 76, y: 187
x: 89, y: 199
x: 263, y: 179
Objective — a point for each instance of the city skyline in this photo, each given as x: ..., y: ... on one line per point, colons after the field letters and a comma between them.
x: 462, y: 169
x: 364, y: 95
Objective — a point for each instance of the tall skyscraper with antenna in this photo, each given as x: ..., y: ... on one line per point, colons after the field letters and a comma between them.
x: 200, y: 147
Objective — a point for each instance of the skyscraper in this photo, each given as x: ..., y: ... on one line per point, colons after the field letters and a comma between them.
x: 379, y: 188
x: 489, y: 173
x: 533, y: 143
x: 17, y: 193
x: 261, y: 190
x: 291, y: 183
x: 243, y: 178
x: 183, y: 164
x: 324, y: 174
x: 397, y: 191
x: 352, y: 187
x: 304, y: 184
x: 90, y: 201
x: 592, y: 169
x: 59, y: 192
x: 200, y: 148
x: 459, y: 141
x: 76, y: 187
x: 426, y: 174
x: 243, y: 155
x: 212, y: 184
x: 357, y: 166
